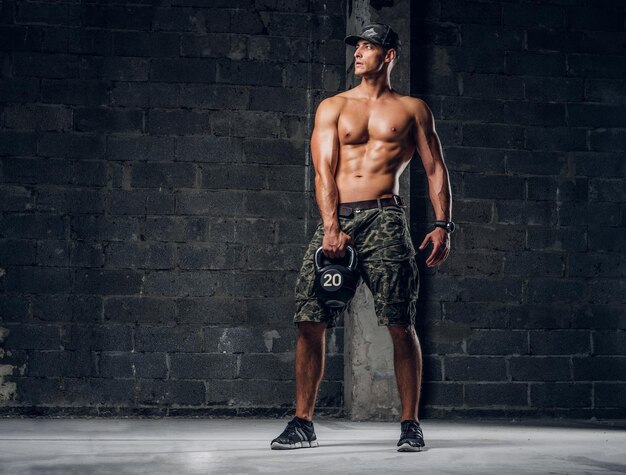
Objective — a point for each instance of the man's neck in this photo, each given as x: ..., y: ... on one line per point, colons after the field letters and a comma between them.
x: 374, y: 87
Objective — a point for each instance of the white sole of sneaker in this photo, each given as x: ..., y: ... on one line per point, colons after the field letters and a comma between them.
x: 409, y: 448
x: 297, y: 445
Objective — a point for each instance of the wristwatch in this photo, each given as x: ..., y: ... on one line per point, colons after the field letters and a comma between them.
x: 447, y: 225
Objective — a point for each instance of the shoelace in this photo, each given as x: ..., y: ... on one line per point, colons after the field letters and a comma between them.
x: 412, y: 430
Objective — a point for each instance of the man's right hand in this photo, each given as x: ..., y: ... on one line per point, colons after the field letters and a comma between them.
x: 335, y: 243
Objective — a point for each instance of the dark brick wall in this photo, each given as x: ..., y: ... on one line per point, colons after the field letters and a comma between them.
x: 155, y: 200
x: 527, y: 316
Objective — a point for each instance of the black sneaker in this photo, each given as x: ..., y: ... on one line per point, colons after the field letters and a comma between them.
x: 298, y: 434
x: 411, y: 438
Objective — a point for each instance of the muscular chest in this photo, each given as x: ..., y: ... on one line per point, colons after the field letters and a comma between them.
x: 360, y: 125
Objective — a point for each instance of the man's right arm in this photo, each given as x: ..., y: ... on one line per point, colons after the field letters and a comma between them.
x: 325, y: 155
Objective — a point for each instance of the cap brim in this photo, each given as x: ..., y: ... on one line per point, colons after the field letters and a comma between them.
x: 352, y: 40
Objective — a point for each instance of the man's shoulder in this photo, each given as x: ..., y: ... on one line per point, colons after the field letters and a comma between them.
x: 416, y: 104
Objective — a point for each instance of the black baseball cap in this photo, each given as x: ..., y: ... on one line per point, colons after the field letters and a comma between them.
x: 378, y: 33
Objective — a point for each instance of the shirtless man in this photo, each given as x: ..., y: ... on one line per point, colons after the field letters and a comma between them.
x: 363, y: 140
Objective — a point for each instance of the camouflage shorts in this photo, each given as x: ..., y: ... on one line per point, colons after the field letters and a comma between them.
x: 386, y: 265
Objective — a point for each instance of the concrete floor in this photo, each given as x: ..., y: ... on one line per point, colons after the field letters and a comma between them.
x: 193, y: 446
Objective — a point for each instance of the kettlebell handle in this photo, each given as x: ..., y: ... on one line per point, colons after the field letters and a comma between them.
x: 351, y: 250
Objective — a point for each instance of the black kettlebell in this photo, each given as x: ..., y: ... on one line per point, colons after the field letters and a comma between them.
x: 336, y: 279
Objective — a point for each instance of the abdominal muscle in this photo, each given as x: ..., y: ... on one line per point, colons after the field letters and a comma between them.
x: 369, y: 171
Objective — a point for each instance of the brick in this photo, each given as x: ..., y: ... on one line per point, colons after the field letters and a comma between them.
x: 140, y: 148
x: 196, y: 283
x: 474, y: 159
x: 73, y: 92
x: 40, y: 280
x: 604, y: 291
x: 520, y: 162
x: 553, y: 89
x: 599, y: 368
x: 472, y: 211
x: 71, y: 145
x: 214, y: 96
x: 569, y: 342
x: 167, y: 175
x: 497, y: 342
x: 252, y: 73
x: 529, y: 263
x: 96, y: 42
x: 107, y: 282
x: 610, y: 91
x: 24, y: 226
x: 556, y: 138
x: 535, y: 64
x: 588, y: 18
x: 598, y: 164
x: 278, y: 204
x: 208, y: 149
x: 473, y: 109
x: 604, y: 189
x: 556, y: 290
x: 493, y: 136
x: 596, y: 66
x: 169, y: 339
x: 101, y: 227
x: 470, y: 12
x: 122, y: 255
x: 487, y: 315
x: 526, y: 212
x: 544, y: 316
x: 466, y: 264
x: 97, y: 338
x: 491, y: 37
x: 20, y: 38
x: 279, y: 313
x: 60, y: 364
x: 471, y: 368
x: 16, y: 198
x: 37, y: 117
x: 598, y: 316
x: 183, y: 70
x: 210, y: 311
x: 274, y: 367
x: 557, y: 189
x: 493, y: 238
x: 442, y: 394
x: 496, y: 394
x: 609, y: 343
x: 214, y: 257
x: 125, y: 69
x: 153, y: 44
x: 184, y: 392
x: 17, y: 143
x: 603, y: 238
x: 234, y: 340
x: 537, y: 15
x: 534, y: 113
x: 603, y: 42
x: 482, y: 289
x: 210, y: 203
x: 265, y: 283
x: 534, y: 368
x: 580, y: 213
x: 133, y: 94
x: 493, y: 186
x: 596, y: 115
x: 596, y: 265
x: 609, y: 395
x: 178, y: 122
x: 554, y: 40
x: 214, y: 45
x: 255, y: 392
x: 174, y: 229
x: 31, y: 337
x: 566, y: 395
x: 17, y: 252
x: 22, y: 90
x: 108, y: 120
x: 202, y: 366
x: 75, y: 201
x: 53, y: 253
x: 125, y: 365
x: 118, y: 17
x: 139, y: 310
x: 607, y: 140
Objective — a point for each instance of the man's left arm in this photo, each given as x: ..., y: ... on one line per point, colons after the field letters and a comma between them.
x: 429, y: 149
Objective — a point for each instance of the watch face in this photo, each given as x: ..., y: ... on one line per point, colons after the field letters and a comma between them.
x: 451, y: 226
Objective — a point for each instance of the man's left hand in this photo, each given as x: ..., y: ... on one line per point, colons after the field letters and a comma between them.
x: 441, y: 246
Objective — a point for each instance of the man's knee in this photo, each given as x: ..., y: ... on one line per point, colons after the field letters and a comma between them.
x: 311, y: 330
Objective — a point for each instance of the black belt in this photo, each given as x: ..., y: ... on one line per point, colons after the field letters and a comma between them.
x: 346, y: 209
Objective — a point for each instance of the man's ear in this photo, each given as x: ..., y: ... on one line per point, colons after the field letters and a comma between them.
x: 391, y: 55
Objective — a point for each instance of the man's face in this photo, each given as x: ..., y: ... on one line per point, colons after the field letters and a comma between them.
x: 368, y: 58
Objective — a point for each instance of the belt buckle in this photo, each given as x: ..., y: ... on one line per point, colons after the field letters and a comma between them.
x: 345, y: 211
x: 357, y: 210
